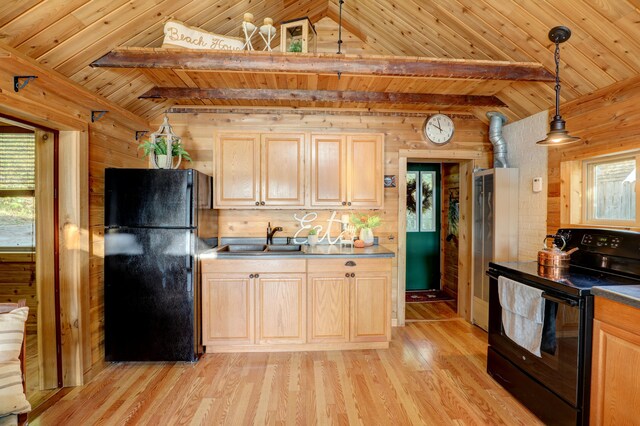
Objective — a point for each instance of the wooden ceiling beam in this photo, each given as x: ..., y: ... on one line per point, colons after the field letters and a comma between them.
x: 323, y: 63
x: 321, y: 96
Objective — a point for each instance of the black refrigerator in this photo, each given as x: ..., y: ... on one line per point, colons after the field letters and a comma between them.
x: 151, y: 277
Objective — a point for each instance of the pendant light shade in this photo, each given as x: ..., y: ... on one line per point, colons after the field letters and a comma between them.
x: 558, y: 134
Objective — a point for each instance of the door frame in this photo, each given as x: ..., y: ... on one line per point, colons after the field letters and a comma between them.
x: 467, y: 161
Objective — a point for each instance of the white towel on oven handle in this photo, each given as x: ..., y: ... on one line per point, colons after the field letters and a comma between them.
x: 522, y: 313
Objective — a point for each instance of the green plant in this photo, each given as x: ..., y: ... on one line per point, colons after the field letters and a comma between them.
x: 160, y: 148
x: 295, y: 46
x: 365, y: 221
x: 313, y: 231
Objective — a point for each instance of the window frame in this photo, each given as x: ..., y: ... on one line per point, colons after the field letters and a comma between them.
x: 587, y: 185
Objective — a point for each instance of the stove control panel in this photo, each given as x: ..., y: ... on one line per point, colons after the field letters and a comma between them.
x: 600, y: 240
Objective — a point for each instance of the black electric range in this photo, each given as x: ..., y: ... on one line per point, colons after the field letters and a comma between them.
x: 556, y: 385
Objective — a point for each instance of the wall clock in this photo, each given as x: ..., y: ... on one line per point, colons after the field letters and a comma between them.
x: 439, y: 129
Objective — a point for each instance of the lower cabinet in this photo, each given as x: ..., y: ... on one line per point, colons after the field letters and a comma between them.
x: 228, y: 309
x: 296, y: 305
x: 615, y: 377
x: 281, y: 308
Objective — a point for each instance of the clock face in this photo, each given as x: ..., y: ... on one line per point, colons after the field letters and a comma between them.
x: 439, y: 129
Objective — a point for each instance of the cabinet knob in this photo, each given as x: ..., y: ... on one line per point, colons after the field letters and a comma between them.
x: 346, y: 275
x: 350, y: 263
x: 257, y: 203
x: 251, y: 276
x: 256, y: 276
x: 262, y: 203
x: 349, y: 203
x: 344, y: 203
x: 353, y: 275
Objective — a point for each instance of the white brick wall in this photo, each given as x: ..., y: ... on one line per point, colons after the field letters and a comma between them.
x: 531, y: 159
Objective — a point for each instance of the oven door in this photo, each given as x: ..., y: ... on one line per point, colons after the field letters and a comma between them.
x: 558, y: 368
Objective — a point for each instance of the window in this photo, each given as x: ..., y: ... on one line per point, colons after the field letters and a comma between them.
x: 610, y: 190
x: 17, y: 190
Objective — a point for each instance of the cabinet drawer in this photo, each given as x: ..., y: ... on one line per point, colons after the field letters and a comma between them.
x: 349, y: 264
x: 252, y: 266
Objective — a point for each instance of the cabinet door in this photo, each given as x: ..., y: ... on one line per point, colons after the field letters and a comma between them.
x: 365, y: 171
x: 370, y: 307
x: 227, y: 309
x: 237, y: 171
x: 283, y: 170
x: 615, y: 387
x: 328, y: 307
x: 281, y: 310
x: 328, y: 171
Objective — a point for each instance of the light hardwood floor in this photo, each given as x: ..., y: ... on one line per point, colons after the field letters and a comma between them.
x: 430, y: 311
x: 433, y: 374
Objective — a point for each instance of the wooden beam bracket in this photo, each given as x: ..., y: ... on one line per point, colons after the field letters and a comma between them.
x: 97, y: 115
x: 140, y: 134
x: 21, y: 81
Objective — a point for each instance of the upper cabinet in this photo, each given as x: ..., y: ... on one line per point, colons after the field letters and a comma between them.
x: 237, y: 159
x: 347, y: 171
x: 268, y: 170
x: 283, y: 170
x: 260, y: 170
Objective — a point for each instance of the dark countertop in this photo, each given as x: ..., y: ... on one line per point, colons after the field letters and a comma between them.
x: 627, y: 294
x: 324, y: 251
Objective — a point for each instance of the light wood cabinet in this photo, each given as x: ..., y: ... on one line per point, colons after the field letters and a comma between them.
x: 328, y: 170
x: 296, y: 304
x: 283, y: 171
x: 237, y: 160
x: 370, y: 307
x: 347, y: 171
x: 328, y: 307
x: 615, y: 378
x: 254, y: 170
x: 365, y: 176
x: 227, y: 309
x: 364, y: 285
x: 281, y: 308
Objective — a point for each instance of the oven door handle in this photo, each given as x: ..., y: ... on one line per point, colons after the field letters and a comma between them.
x: 563, y: 301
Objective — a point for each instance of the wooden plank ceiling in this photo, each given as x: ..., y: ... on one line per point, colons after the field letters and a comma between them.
x: 68, y: 35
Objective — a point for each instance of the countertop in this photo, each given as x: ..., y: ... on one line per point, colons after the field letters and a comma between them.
x: 627, y: 294
x: 324, y: 251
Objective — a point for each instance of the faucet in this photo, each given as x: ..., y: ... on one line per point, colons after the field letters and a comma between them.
x: 271, y: 232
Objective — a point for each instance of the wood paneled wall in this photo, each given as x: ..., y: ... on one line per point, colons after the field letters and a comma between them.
x: 111, y: 144
x: 18, y: 281
x: 449, y: 249
x: 401, y: 132
x: 54, y: 102
x: 607, y: 121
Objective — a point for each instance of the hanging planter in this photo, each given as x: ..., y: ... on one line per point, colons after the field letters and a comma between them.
x: 157, y: 147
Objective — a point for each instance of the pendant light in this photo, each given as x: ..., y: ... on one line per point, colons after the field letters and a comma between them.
x: 558, y: 134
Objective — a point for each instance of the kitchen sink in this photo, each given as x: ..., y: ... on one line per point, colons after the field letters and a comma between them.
x: 243, y: 248
x: 284, y: 248
x: 257, y: 249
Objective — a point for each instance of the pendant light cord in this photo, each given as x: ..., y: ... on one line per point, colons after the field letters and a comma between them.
x: 340, y: 31
x: 557, y: 58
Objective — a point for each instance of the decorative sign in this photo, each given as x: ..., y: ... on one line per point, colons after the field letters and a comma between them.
x: 177, y: 34
x: 306, y: 224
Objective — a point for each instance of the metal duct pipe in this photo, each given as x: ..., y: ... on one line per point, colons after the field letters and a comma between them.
x: 496, y: 121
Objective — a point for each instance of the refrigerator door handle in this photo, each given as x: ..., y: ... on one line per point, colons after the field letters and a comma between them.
x: 189, y: 282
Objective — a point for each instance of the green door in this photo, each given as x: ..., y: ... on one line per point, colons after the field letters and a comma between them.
x: 423, y: 226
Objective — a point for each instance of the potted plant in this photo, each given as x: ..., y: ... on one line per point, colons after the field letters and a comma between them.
x: 365, y: 224
x: 312, y: 237
x: 158, y: 152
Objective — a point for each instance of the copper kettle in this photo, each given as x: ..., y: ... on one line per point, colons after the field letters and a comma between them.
x: 552, y: 261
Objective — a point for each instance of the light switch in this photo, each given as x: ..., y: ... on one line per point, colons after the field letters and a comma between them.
x: 537, y: 184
